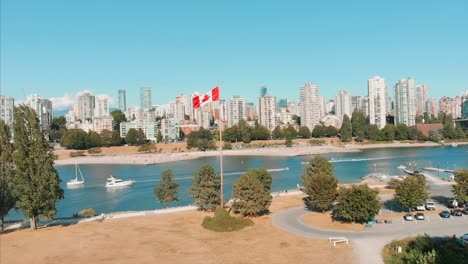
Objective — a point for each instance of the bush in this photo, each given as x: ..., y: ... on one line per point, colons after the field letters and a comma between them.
x: 87, y: 212
x: 78, y: 153
x: 148, y: 147
x: 223, y: 222
x: 393, y: 183
x: 227, y: 145
x: 94, y: 150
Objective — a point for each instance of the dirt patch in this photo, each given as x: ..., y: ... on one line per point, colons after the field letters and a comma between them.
x: 324, y: 220
x: 169, y: 238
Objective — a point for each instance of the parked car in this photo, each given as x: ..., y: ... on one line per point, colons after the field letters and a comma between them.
x: 419, y: 216
x: 452, y: 203
x: 457, y: 212
x: 420, y: 207
x: 445, y: 214
x: 463, y: 240
x: 430, y: 205
x: 409, y: 217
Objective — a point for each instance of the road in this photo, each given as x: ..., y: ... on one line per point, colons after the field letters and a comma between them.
x: 368, y: 244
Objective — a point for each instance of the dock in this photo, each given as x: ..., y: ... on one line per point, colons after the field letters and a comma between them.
x: 437, y: 169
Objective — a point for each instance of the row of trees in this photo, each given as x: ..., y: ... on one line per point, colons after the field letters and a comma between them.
x: 28, y: 179
x: 251, y: 193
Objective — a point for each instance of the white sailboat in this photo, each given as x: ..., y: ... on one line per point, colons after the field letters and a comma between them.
x: 76, y: 181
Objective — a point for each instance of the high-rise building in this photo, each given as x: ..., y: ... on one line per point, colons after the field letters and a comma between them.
x: 356, y: 103
x: 464, y: 101
x: 102, y: 107
x: 267, y: 111
x: 343, y: 104
x: 404, y: 102
x: 122, y: 101
x: 420, y: 99
x: 263, y: 90
x: 431, y: 106
x: 6, y: 110
x: 145, y: 97
x: 331, y: 106
x: 236, y: 110
x: 85, y: 107
x: 223, y: 112
x: 365, y: 105
x: 310, y: 109
x: 377, y: 96
x: 179, y: 107
x: 250, y: 111
x: 43, y: 109
x: 283, y: 103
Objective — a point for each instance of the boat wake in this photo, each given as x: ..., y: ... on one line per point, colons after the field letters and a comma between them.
x: 357, y: 159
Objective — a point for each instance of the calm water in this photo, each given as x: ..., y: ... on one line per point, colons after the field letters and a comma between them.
x: 349, y: 168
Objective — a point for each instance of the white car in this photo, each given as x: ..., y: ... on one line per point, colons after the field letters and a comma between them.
x: 409, y: 217
x: 420, y: 207
x: 430, y: 205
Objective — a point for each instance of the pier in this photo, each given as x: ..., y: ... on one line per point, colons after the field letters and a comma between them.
x: 437, y: 169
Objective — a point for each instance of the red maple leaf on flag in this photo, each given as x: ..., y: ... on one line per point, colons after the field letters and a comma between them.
x: 205, y: 98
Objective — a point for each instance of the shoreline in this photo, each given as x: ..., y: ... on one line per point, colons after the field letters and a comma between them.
x: 297, y: 150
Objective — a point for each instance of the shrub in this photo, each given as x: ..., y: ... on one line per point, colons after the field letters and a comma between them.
x: 77, y: 153
x: 227, y: 145
x: 87, y: 212
x: 393, y: 183
x: 223, y: 222
x: 316, y: 142
x: 94, y: 150
x: 148, y: 147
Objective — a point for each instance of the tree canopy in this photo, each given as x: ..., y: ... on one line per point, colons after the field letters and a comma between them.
x: 460, y: 189
x: 74, y: 139
x: 37, y: 183
x: 412, y: 191
x: 135, y: 137
x: 346, y: 130
x: 201, y: 139
x: 206, y: 188
x: 118, y: 117
x: 320, y: 183
x: 7, y: 199
x: 356, y: 204
x: 166, y: 191
x: 358, y: 123
x: 251, y: 196
x: 304, y: 132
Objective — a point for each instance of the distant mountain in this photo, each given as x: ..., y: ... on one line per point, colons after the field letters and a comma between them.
x: 65, y: 111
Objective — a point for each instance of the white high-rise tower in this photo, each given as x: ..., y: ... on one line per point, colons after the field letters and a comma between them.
x: 377, y: 101
x: 343, y: 105
x: 309, y: 105
x: 404, y: 102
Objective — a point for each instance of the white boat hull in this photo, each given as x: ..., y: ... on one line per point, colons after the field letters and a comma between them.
x: 120, y: 184
x: 74, y: 183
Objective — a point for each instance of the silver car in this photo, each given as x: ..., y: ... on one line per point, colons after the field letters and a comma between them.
x: 409, y: 217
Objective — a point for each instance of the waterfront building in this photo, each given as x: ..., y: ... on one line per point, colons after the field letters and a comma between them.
x: 103, y: 123
x: 85, y: 107
x: 464, y: 101
x: 365, y: 105
x: 343, y: 104
x: 310, y: 109
x: 179, y: 107
x: 149, y: 128
x: 170, y: 129
x: 377, y: 101
x: 145, y: 97
x: 356, y: 103
x: 43, y: 109
x: 283, y: 103
x: 236, y: 110
x: 331, y: 120
x: 6, y: 110
x: 251, y: 112
x: 267, y: 109
x: 293, y: 107
x: 432, y: 107
x: 404, y: 102
x: 331, y: 106
x: 420, y: 99
x: 122, y: 101
x: 451, y: 106
x: 102, y: 106
x: 284, y: 117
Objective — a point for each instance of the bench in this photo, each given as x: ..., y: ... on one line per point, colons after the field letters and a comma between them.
x: 336, y: 240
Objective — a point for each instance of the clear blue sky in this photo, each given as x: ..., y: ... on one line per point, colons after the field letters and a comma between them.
x: 55, y: 47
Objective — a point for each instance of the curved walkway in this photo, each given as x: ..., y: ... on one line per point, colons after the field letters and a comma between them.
x: 369, y: 243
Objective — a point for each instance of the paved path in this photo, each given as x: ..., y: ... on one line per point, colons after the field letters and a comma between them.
x: 369, y: 243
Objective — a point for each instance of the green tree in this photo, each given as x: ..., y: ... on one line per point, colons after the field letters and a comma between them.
x: 288, y: 140
x: 460, y: 189
x: 58, y: 123
x: 74, y: 139
x: 118, y: 117
x: 318, y: 131
x: 292, y: 131
x: 304, y: 132
x: 389, y: 132
x: 372, y: 131
x: 345, y: 131
x: 206, y: 188
x: 166, y: 191
x: 449, y: 127
x: 7, y: 200
x: 201, y: 139
x: 427, y: 118
x: 415, y: 134
x: 331, y: 131
x: 263, y: 176
x: 106, y: 138
x: 261, y: 132
x: 251, y: 197
x: 419, y: 119
x: 435, y: 135
x: 401, y: 132
x: 159, y: 137
x: 116, y: 140
x: 135, y: 137
x: 92, y: 139
x: 296, y: 119
x: 412, y: 191
x: 358, y: 123
x: 37, y: 183
x: 320, y: 183
x: 277, y: 133
x: 356, y: 204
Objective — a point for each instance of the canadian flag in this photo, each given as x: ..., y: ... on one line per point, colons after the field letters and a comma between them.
x: 200, y: 100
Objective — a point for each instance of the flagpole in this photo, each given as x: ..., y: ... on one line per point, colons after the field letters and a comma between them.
x: 221, y: 149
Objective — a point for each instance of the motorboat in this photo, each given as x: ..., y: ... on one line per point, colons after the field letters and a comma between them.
x: 115, y: 182
x: 76, y: 182
x: 402, y: 167
x: 454, y: 144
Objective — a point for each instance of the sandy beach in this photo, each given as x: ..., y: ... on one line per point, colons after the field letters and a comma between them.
x: 178, y: 152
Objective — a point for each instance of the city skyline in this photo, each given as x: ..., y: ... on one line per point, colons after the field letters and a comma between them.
x: 52, y: 49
